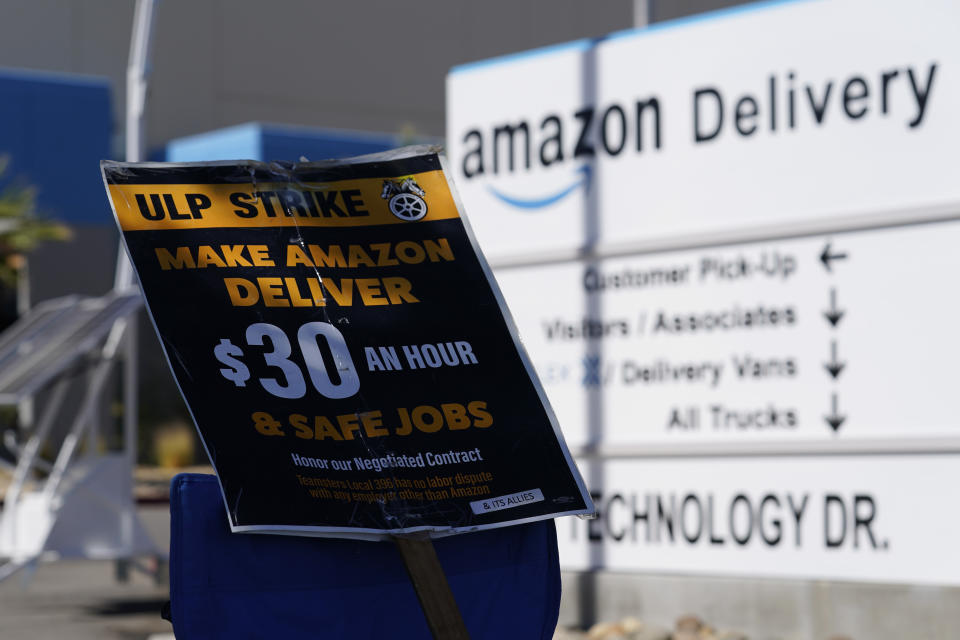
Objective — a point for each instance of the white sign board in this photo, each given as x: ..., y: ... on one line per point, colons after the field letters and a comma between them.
x: 855, y: 105
x: 736, y: 236
x: 759, y: 344
x: 872, y: 518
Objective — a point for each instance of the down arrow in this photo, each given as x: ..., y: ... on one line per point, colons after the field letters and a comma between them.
x: 834, y: 419
x: 834, y: 367
x: 833, y: 315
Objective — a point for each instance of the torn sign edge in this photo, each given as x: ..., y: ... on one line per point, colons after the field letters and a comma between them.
x: 117, y: 168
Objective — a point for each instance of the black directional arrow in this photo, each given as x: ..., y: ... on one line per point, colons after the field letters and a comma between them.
x: 834, y: 419
x: 834, y: 367
x: 826, y: 257
x: 833, y: 314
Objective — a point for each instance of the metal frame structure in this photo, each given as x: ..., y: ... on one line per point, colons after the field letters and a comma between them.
x: 67, y: 497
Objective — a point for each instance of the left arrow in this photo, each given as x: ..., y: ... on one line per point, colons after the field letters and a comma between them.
x: 826, y: 257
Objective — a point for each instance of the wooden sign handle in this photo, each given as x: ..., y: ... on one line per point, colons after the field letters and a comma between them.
x: 433, y: 591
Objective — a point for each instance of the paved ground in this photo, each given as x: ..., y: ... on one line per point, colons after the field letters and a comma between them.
x: 81, y: 600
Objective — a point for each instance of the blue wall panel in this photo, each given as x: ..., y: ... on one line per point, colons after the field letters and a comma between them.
x: 267, y: 142
x: 55, y: 129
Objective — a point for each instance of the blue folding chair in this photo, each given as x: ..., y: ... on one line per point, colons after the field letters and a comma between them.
x: 225, y: 585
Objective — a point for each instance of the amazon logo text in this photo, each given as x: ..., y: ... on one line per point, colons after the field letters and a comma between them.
x: 518, y: 145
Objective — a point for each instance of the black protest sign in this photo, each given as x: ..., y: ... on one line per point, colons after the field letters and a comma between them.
x: 344, y: 351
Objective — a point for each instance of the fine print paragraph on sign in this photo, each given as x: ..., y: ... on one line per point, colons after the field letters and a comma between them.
x: 344, y: 351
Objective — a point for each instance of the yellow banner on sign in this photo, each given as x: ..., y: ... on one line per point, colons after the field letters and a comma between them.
x: 421, y: 197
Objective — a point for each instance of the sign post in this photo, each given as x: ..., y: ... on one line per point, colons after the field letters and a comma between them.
x: 436, y: 599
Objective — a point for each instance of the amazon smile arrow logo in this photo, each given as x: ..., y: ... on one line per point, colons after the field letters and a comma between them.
x: 540, y: 202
